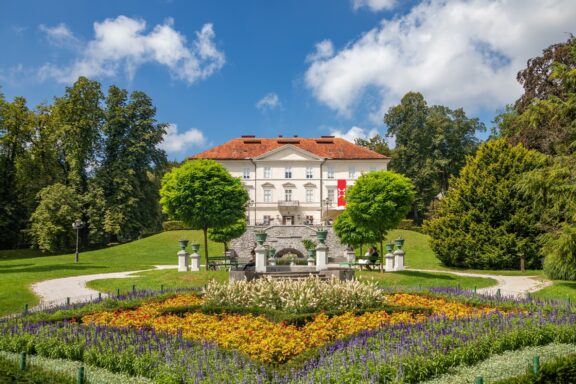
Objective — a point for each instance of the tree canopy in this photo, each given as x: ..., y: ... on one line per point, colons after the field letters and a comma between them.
x: 485, y: 221
x: 204, y: 195
x: 431, y: 145
x: 352, y: 234
x: 226, y: 234
x: 379, y: 200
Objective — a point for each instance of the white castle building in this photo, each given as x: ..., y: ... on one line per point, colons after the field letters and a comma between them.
x: 294, y: 182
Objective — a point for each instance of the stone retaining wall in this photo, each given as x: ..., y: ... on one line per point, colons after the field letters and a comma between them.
x: 288, y: 236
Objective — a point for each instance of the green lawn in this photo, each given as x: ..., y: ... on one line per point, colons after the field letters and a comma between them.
x: 21, y: 268
x: 169, y: 278
x: 560, y: 290
x: 414, y: 279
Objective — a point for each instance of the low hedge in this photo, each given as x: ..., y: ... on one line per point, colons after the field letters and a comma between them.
x: 288, y: 318
x: 174, y: 225
x: 560, y: 370
x: 10, y: 373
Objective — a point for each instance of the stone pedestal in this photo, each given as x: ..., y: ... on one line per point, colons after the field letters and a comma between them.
x: 389, y: 267
x: 321, y: 257
x: 398, y: 260
x: 183, y: 261
x: 350, y: 256
x: 195, y: 262
x: 260, y: 258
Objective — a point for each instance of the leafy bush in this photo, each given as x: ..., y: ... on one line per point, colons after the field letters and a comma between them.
x: 300, y: 296
x: 175, y: 225
x: 561, y: 370
x: 485, y: 221
x: 409, y: 225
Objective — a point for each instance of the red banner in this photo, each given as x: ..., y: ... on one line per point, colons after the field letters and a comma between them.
x: 341, y: 193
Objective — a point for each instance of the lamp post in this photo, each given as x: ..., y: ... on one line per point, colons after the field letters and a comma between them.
x: 77, y: 225
x: 327, y: 202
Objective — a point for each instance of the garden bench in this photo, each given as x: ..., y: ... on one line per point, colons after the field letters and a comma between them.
x: 218, y: 262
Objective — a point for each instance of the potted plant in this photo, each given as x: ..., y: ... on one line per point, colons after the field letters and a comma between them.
x: 399, y: 242
x: 390, y: 247
x: 261, y: 236
x: 310, y: 247
x: 195, y: 247
x: 183, y: 244
x: 272, y: 256
x: 321, y: 235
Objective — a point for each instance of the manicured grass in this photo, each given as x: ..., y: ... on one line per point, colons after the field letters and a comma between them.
x: 21, y: 268
x: 560, y: 290
x: 169, y: 278
x: 415, y: 279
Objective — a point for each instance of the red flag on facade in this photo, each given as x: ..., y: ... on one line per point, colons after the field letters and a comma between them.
x: 341, y: 192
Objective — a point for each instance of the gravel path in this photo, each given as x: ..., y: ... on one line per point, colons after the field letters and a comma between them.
x: 508, y: 285
x: 56, y: 291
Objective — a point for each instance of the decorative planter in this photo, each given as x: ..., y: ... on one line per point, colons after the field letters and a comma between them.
x: 390, y: 247
x: 399, y: 242
x: 311, y: 253
x: 195, y: 247
x: 183, y: 244
x: 321, y: 235
x: 261, y: 237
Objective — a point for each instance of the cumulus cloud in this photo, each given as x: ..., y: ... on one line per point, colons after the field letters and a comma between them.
x: 59, y: 35
x: 324, y: 50
x: 354, y: 133
x: 269, y: 102
x: 457, y: 53
x: 124, y: 44
x: 175, y: 142
x: 373, y: 5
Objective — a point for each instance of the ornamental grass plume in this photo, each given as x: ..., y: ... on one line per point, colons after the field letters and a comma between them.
x: 295, y: 296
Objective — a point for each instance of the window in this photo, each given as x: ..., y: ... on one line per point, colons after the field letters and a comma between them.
x: 288, y: 172
x: 309, y: 172
x: 246, y: 173
x: 266, y: 219
x: 309, y: 220
x: 267, y: 172
x: 330, y: 195
x: 309, y: 195
x: 267, y: 195
x: 330, y: 172
x: 351, y: 172
x: 287, y: 195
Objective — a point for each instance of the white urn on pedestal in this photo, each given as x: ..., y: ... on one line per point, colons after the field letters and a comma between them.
x: 183, y: 257
x: 195, y: 258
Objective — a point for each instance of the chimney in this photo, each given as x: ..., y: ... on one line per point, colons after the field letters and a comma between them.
x: 248, y: 136
x: 280, y: 136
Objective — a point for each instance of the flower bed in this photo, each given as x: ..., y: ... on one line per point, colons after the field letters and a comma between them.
x: 418, y: 336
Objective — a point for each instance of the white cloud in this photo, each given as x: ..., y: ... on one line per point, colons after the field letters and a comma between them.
x: 175, y: 142
x: 457, y: 53
x: 124, y: 44
x: 373, y: 5
x: 269, y: 102
x: 324, y: 50
x: 354, y: 133
x: 59, y: 35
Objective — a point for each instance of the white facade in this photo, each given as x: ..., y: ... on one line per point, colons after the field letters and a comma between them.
x: 289, y: 185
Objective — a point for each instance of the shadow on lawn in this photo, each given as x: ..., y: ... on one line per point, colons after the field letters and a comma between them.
x: 49, y: 268
x: 422, y: 275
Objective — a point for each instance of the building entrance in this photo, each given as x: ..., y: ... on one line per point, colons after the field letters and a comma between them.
x: 288, y: 220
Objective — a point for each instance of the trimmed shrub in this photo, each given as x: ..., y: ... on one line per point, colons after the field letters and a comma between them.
x: 174, y: 225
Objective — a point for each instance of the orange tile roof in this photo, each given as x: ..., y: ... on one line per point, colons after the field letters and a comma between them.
x: 251, y: 147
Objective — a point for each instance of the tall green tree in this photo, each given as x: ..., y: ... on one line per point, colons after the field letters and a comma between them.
x: 375, y: 143
x: 15, y: 134
x: 351, y: 233
x: 202, y: 194
x: 553, y: 191
x: 544, y: 117
x: 379, y: 201
x: 431, y: 145
x: 485, y: 221
x: 131, y: 166
x: 51, y: 229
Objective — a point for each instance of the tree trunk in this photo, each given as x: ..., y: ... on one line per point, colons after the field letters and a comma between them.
x: 206, y: 247
x: 381, y: 254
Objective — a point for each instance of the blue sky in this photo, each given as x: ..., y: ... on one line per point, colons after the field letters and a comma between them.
x: 218, y: 69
